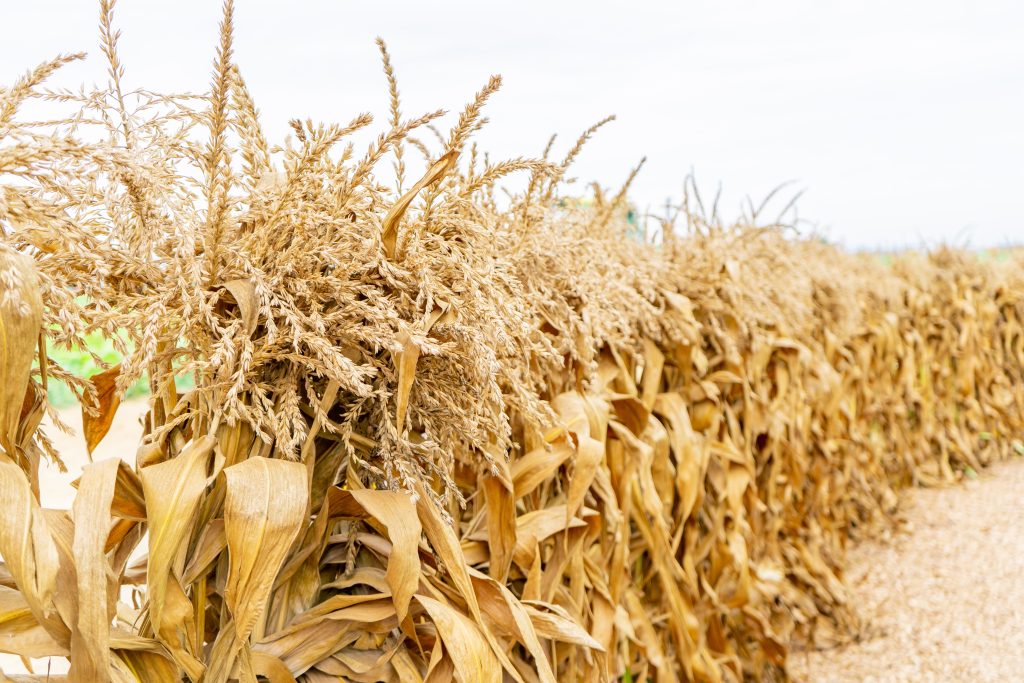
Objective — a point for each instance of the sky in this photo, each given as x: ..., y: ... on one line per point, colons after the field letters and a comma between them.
x: 902, y: 121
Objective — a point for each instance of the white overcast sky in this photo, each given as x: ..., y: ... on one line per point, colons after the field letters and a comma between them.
x: 902, y: 120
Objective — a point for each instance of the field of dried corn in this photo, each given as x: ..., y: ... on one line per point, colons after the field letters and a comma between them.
x: 437, y: 432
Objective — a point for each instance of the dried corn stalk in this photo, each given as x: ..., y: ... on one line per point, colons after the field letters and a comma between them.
x: 435, y: 436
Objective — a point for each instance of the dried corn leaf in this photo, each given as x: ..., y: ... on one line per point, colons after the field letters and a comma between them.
x: 21, y: 312
x: 244, y: 294
x: 389, y: 225
x: 396, y: 511
x: 28, y: 549
x: 172, y: 490
x: 465, y: 645
x: 406, y: 360
x: 99, y: 415
x: 90, y: 637
x: 265, y: 505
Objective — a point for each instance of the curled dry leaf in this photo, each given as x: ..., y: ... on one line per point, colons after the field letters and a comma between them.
x: 389, y: 226
x: 90, y: 636
x: 21, y: 311
x: 243, y: 292
x: 97, y: 418
x: 28, y: 550
x: 396, y: 511
x: 406, y: 360
x: 19, y: 630
x: 265, y: 506
x: 173, y: 490
x: 469, y: 652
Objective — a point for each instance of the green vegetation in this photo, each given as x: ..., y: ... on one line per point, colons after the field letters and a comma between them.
x: 81, y: 362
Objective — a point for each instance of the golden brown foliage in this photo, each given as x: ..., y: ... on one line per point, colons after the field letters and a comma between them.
x: 435, y: 435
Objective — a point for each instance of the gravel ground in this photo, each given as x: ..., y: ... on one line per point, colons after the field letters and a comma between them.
x: 945, y: 598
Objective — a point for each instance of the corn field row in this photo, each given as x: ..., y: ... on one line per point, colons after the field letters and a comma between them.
x: 441, y: 433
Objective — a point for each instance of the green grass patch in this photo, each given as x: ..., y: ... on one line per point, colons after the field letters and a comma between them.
x: 80, y: 362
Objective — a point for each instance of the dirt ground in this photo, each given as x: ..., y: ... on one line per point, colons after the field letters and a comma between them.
x: 944, y: 597
x: 121, y: 441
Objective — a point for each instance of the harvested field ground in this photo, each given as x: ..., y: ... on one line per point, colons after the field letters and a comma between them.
x: 944, y: 597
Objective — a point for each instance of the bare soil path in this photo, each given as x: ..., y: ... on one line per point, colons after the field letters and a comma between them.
x: 944, y: 599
